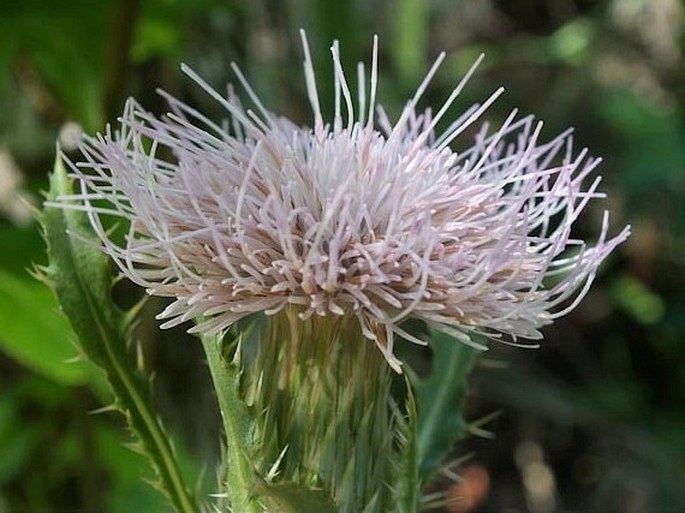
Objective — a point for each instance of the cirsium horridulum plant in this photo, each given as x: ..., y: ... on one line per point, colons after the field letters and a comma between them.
x: 299, y: 253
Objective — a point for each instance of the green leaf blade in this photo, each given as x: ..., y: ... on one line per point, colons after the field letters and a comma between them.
x: 35, y: 334
x: 440, y: 400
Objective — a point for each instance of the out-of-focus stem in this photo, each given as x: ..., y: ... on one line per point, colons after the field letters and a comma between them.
x: 116, y: 55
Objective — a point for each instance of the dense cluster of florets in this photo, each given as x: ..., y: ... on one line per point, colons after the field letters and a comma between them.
x: 361, y: 217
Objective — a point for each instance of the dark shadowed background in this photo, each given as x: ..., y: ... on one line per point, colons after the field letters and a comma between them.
x: 592, y: 422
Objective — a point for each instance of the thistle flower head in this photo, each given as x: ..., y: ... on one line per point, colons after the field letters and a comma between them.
x: 357, y: 217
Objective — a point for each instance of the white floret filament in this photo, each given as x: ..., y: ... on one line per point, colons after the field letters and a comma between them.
x: 367, y: 218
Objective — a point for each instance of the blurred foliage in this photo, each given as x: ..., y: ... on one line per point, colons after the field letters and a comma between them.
x: 592, y: 422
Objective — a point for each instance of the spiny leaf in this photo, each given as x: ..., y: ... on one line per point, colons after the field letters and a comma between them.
x: 440, y: 401
x: 81, y: 278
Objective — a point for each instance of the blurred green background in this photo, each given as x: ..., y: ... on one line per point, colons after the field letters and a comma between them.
x: 592, y: 422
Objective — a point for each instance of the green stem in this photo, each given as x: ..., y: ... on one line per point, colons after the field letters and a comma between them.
x: 116, y: 58
x: 240, y: 477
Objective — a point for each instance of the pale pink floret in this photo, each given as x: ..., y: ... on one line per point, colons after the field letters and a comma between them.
x: 358, y: 217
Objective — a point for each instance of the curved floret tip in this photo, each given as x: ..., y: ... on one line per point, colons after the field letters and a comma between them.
x: 357, y: 217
